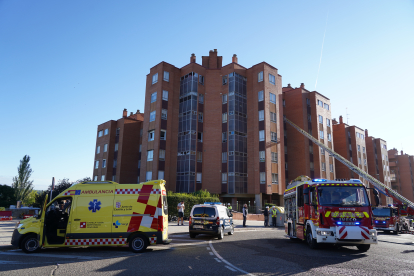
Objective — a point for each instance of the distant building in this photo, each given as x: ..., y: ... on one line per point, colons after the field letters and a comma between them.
x: 401, y: 173
x: 311, y: 112
x: 118, y: 150
x: 378, y: 163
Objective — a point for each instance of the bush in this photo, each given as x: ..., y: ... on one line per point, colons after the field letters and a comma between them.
x: 189, y: 201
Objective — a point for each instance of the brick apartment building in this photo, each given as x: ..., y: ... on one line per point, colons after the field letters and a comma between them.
x: 311, y: 112
x: 350, y: 142
x: 401, y: 173
x: 215, y: 127
x: 117, y: 151
x: 378, y: 163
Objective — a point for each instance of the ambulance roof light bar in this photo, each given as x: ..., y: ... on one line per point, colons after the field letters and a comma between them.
x: 212, y: 203
x: 319, y: 180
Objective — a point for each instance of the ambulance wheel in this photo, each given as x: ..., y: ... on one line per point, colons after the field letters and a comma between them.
x: 138, y: 243
x: 221, y: 233
x: 232, y: 230
x: 310, y: 240
x: 30, y: 244
x: 193, y: 235
x: 363, y: 247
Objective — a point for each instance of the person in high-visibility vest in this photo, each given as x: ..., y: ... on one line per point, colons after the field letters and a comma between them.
x: 274, y: 215
x: 229, y: 207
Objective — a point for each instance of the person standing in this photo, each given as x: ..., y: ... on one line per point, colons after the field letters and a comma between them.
x: 266, y: 216
x: 245, y: 212
x: 180, y: 208
x: 274, y: 215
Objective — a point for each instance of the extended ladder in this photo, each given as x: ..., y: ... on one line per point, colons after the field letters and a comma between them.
x: 377, y: 184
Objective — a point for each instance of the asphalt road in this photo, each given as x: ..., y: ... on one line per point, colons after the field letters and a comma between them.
x: 255, y: 251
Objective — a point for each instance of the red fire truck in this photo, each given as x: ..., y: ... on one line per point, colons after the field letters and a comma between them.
x: 391, y: 218
x: 326, y: 211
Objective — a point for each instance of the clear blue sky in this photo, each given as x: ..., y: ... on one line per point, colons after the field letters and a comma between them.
x: 67, y: 66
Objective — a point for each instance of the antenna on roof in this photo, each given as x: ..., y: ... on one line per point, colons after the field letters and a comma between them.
x: 347, y: 116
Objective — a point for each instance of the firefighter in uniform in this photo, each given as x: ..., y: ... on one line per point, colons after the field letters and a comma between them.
x: 274, y: 215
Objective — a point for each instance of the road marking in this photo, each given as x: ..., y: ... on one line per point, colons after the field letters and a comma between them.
x: 232, y: 269
x: 208, y: 248
x: 49, y: 255
x: 217, y: 260
x: 211, y: 253
x: 224, y: 261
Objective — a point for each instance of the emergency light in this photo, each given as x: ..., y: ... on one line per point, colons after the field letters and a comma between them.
x: 212, y: 203
x: 319, y: 180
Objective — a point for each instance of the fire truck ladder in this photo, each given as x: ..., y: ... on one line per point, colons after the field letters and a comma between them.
x: 377, y: 184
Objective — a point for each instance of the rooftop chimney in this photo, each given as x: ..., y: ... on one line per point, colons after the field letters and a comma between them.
x: 366, y: 133
x: 302, y: 85
x: 340, y: 120
x: 132, y: 113
x: 234, y: 59
x: 124, y: 114
x: 289, y: 85
x: 402, y: 153
x: 138, y: 112
x: 192, y: 58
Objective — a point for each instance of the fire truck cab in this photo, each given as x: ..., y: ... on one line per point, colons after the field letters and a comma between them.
x: 391, y: 218
x: 327, y: 211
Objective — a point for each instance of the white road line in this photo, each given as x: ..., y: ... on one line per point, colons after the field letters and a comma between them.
x: 217, y: 260
x: 50, y: 255
x: 224, y: 261
x: 208, y: 248
x: 211, y: 253
x: 232, y: 269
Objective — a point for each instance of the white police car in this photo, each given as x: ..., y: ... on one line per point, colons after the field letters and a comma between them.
x: 211, y: 218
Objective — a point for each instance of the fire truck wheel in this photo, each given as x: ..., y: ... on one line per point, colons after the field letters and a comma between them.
x: 363, y: 247
x: 310, y: 240
x: 386, y: 231
x: 193, y: 235
x: 138, y: 243
x: 30, y: 244
x: 397, y: 229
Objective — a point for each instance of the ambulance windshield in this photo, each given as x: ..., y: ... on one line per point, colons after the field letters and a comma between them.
x: 382, y: 212
x: 342, y: 196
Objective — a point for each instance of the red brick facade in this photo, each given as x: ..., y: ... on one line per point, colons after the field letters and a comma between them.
x: 401, y: 173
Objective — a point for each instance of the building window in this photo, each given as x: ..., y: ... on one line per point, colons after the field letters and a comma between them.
x: 151, y: 135
x: 139, y: 164
x: 198, y: 177
x: 284, y: 103
x: 148, y: 176
x: 95, y: 178
x: 118, y: 130
x: 307, y: 101
x: 152, y: 116
x: 104, y: 163
x: 323, y: 166
x: 274, y: 178
x: 165, y: 95
x: 273, y: 136
x: 224, y: 117
x: 261, y: 97
x: 359, y: 147
x: 163, y: 135
x: 320, y: 103
x: 273, y: 117
x: 321, y: 136
x: 200, y: 98
x: 326, y: 106
x: 98, y: 149
x: 224, y: 178
x: 96, y: 164
x: 262, y: 177
x: 141, y: 132
x: 140, y: 147
x: 272, y: 98
x: 309, y: 118
x: 138, y: 180
x: 331, y: 167
x: 262, y: 156
x: 160, y: 174
x: 201, y: 79
x: 261, y: 135
x: 114, y: 164
x: 362, y: 136
x: 224, y: 80
x: 224, y: 137
x: 166, y: 76
x: 154, y: 97
x: 224, y: 157
x: 329, y: 137
x: 100, y: 133
x: 224, y: 98
x: 103, y: 178
x: 164, y: 113
x: 328, y: 122
x: 106, y: 131
x: 199, y: 156
x: 200, y: 117
x: 161, y: 155
x: 150, y: 155
x: 320, y: 119
x: 155, y: 78
x: 365, y: 162
x: 322, y: 151
x: 359, y: 160
x: 261, y: 115
x: 274, y: 157
x: 311, y: 165
x: 272, y: 79
x: 260, y: 76
x: 105, y: 147
x: 200, y: 137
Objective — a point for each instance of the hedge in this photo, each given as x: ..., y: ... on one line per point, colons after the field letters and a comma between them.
x: 189, y: 201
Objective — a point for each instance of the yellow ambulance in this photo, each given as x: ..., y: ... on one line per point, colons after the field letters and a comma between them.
x: 99, y: 214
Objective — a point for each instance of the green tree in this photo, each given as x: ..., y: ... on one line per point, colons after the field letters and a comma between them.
x: 21, y: 184
x: 30, y: 200
x: 7, y: 196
